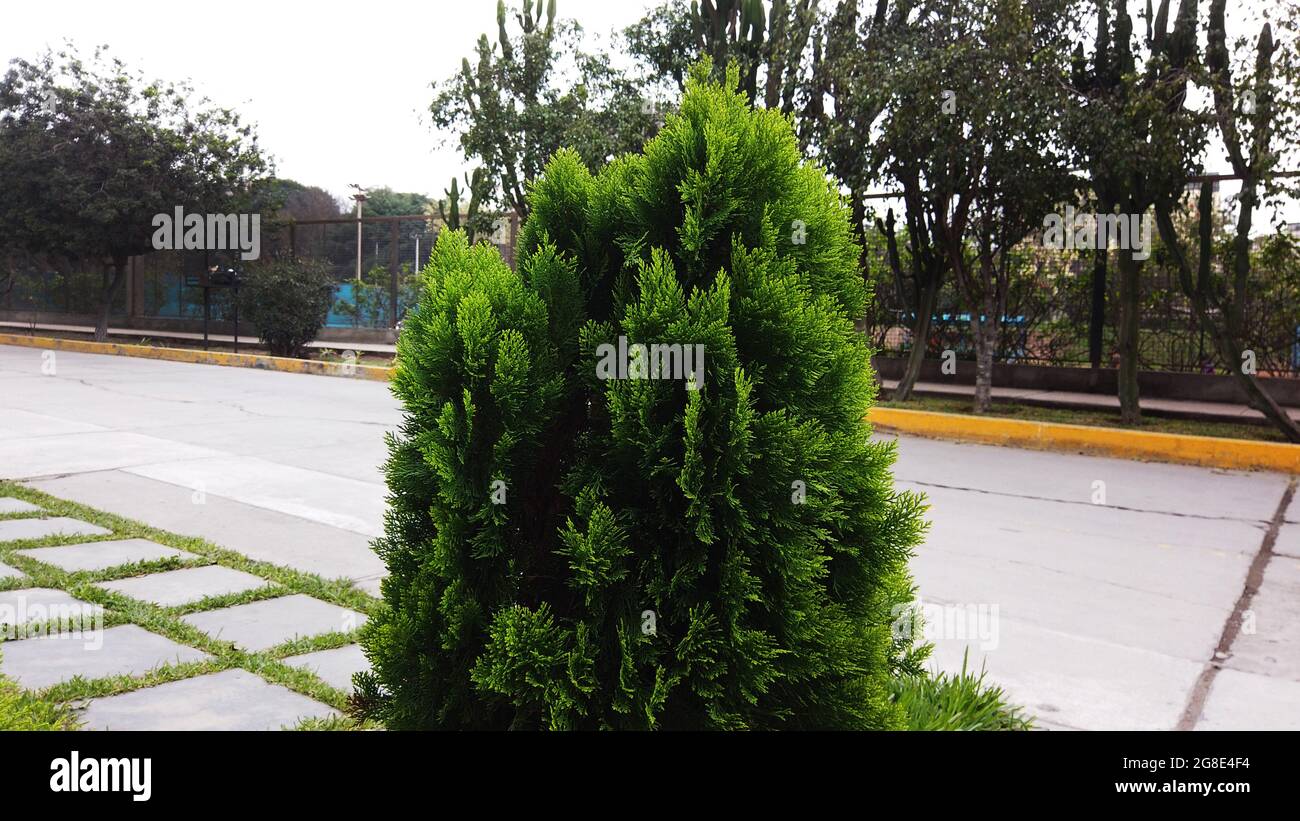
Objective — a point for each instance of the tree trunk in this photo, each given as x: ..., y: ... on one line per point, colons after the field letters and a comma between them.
x: 986, y: 340
x: 1226, y: 335
x: 1256, y: 396
x: 1097, y: 313
x: 920, y: 341
x: 1130, y: 306
x: 111, y: 287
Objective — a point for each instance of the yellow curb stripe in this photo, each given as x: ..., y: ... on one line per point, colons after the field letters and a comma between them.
x: 1207, y: 451
x: 197, y: 357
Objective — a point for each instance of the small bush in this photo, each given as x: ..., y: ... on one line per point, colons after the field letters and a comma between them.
x: 287, y: 301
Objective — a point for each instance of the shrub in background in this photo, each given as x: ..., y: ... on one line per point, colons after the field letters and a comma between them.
x: 567, y: 551
x: 287, y: 301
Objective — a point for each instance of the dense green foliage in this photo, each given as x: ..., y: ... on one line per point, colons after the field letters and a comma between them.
x: 571, y: 552
x: 287, y: 300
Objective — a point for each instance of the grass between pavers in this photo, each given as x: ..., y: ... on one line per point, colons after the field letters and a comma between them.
x: 1095, y: 418
x: 20, y: 710
x: 166, y: 621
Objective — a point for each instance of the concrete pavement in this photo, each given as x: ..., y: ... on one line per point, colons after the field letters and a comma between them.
x: 1094, y: 590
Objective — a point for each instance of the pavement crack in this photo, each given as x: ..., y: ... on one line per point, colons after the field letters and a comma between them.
x: 1082, y: 503
x: 1232, y: 626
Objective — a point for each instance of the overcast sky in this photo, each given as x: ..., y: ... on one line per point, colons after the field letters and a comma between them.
x: 338, y: 90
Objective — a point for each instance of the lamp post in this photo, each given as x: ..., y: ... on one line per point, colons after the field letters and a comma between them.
x: 360, y: 197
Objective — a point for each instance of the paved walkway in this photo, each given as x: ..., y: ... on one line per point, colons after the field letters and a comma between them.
x: 190, y: 336
x: 85, y: 650
x: 1175, y: 408
x: 1096, y: 591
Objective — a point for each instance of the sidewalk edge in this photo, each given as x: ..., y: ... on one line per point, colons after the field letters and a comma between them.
x: 198, y: 357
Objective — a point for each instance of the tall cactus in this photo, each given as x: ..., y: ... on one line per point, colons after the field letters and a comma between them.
x: 451, y: 216
x: 753, y: 35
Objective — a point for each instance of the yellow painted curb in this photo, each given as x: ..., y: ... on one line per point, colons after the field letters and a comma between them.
x: 197, y: 357
x: 1207, y: 451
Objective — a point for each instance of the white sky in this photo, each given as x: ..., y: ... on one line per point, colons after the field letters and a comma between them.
x: 338, y: 90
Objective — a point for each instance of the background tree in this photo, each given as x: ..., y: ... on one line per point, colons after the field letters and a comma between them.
x: 767, y: 40
x: 385, y: 202
x: 90, y: 153
x: 528, y: 94
x: 1256, y: 121
x: 303, y: 202
x: 1133, y: 132
x: 972, y: 132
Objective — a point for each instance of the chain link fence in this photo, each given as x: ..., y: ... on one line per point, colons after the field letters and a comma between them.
x: 167, y: 284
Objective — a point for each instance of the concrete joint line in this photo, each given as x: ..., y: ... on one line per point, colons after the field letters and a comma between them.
x: 1232, y: 627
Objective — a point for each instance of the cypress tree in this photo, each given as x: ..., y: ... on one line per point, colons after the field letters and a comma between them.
x: 585, y: 533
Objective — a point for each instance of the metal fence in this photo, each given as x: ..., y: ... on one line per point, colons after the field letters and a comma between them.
x: 1048, y: 309
x: 166, y: 284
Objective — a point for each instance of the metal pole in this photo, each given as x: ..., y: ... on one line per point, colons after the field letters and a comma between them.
x: 207, y: 305
x: 360, y: 199
x: 236, y: 275
x: 395, y: 259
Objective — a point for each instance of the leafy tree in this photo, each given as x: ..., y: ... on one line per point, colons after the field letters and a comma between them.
x: 719, y: 549
x: 385, y: 202
x: 303, y: 202
x: 90, y: 153
x: 530, y: 93
x: 1255, y: 120
x: 972, y: 132
x: 1133, y: 132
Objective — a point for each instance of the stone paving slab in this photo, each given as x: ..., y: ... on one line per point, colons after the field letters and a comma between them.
x: 336, y: 667
x: 11, y: 530
x: 103, y: 555
x: 39, y: 604
x: 9, y: 504
x: 1246, y: 701
x: 186, y: 586
x: 259, y: 534
x: 126, y: 650
x: 265, y: 624
x: 7, y: 572
x: 229, y: 700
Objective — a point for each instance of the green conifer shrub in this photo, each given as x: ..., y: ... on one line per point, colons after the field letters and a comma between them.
x: 576, y: 552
